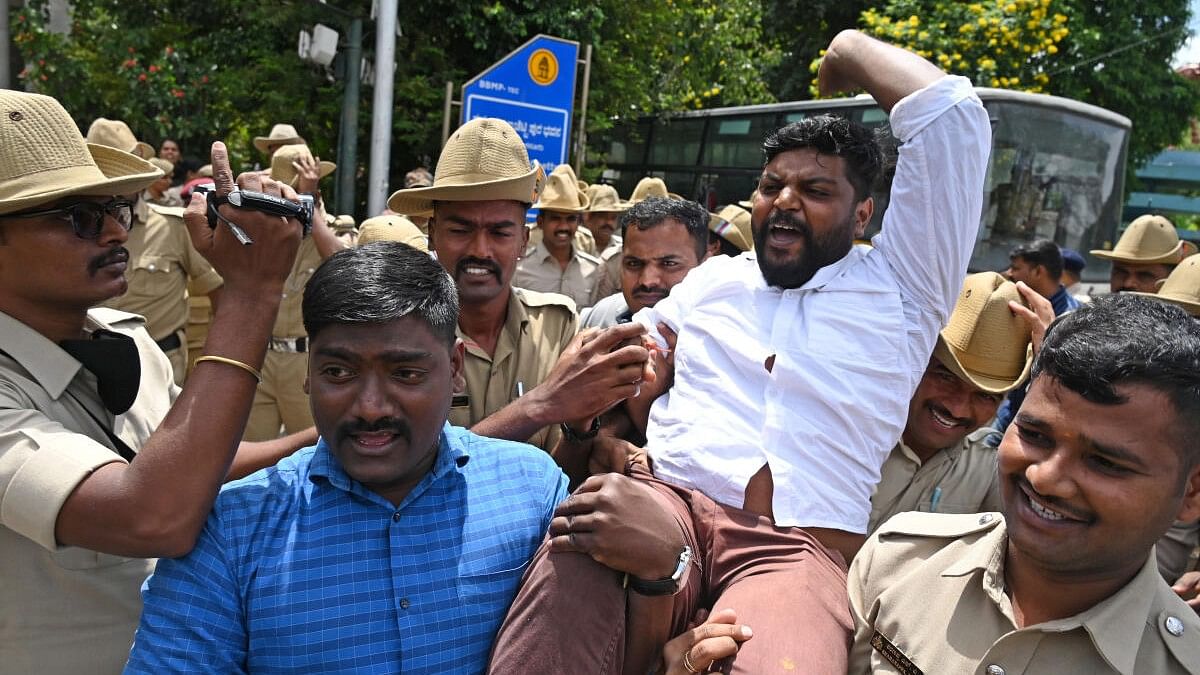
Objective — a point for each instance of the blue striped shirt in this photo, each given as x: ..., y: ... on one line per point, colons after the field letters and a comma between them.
x: 302, y: 569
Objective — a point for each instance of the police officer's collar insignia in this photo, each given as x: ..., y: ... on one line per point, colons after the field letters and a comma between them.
x: 113, y: 359
x: 893, y: 655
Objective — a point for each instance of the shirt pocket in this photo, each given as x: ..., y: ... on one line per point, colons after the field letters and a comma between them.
x: 147, y: 274
x: 860, y: 329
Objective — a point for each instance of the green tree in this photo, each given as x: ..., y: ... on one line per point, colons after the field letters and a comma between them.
x: 820, y: 20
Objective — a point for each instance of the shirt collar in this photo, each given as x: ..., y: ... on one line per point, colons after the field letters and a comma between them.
x: 515, y: 322
x: 822, y: 276
x: 452, y: 455
x: 44, y: 360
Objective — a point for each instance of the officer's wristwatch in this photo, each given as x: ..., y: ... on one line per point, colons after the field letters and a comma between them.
x: 670, y: 585
x: 579, y: 437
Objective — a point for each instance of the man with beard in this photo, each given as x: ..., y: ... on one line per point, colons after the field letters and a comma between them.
x: 792, y: 372
x: 662, y: 240
x: 392, y: 546
x: 528, y: 377
x: 1101, y: 458
x: 104, y: 463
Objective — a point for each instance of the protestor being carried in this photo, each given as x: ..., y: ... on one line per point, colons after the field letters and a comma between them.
x: 104, y: 463
x: 527, y: 374
x: 793, y: 370
x: 661, y: 241
x: 1100, y: 460
x: 396, y: 543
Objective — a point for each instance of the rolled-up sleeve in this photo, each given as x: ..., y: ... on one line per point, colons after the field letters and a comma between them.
x: 933, y: 217
x: 41, y: 464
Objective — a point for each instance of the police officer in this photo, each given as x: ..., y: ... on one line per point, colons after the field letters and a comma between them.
x: 96, y: 477
x: 556, y: 264
x: 946, y: 459
x: 280, y: 399
x: 527, y: 376
x: 1098, y: 463
x: 162, y: 263
x: 1146, y: 253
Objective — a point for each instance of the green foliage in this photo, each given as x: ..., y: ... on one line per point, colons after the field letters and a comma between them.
x: 802, y: 28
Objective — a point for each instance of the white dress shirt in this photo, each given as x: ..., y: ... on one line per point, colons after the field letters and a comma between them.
x: 850, y: 345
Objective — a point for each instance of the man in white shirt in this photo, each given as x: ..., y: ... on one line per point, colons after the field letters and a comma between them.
x: 792, y: 374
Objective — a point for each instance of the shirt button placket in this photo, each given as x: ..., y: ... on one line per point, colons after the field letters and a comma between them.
x: 396, y: 517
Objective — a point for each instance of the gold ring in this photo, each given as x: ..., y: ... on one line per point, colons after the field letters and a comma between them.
x: 687, y: 662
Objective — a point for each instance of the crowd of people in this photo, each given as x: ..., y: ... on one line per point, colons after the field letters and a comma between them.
x: 636, y: 436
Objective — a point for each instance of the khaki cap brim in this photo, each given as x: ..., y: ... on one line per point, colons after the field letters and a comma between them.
x: 261, y: 142
x: 1171, y: 258
x: 419, y: 201
x: 992, y: 385
x: 120, y: 173
x: 620, y: 207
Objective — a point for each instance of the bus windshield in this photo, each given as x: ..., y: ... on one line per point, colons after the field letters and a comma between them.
x: 1056, y: 169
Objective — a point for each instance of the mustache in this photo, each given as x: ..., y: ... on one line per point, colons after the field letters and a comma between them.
x: 655, y: 290
x: 117, y: 254
x: 781, y: 217
x: 461, y: 267
x: 393, y: 425
x: 960, y: 421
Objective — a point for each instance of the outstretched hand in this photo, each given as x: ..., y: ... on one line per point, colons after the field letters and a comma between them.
x: 699, y: 649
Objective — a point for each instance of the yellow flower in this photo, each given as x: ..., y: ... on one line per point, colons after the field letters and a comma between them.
x: 914, y: 21
x: 983, y: 21
x: 1052, y: 49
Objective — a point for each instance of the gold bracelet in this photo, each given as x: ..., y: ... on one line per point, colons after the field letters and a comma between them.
x: 232, y: 362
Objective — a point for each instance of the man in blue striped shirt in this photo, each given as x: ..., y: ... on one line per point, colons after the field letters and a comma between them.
x: 396, y: 543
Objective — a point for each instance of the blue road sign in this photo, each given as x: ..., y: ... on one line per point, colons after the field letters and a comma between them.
x: 533, y: 89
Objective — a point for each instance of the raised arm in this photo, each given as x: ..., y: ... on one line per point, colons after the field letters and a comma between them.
x: 888, y: 73
x: 156, y: 505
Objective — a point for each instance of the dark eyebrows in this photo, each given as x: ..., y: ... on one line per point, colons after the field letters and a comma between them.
x: 391, y: 355
x: 1118, y: 453
x: 457, y: 220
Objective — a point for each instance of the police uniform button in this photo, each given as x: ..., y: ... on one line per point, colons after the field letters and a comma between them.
x: 1174, y: 625
x: 984, y: 520
x: 995, y: 670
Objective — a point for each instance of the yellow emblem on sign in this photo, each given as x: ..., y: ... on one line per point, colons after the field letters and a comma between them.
x: 543, y: 66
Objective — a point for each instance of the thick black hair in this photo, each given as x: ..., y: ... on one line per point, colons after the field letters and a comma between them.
x: 378, y: 283
x: 654, y: 210
x: 1122, y: 339
x: 833, y: 135
x: 1041, y: 252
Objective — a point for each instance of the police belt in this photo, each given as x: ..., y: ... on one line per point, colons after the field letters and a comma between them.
x: 298, y: 345
x: 170, y: 343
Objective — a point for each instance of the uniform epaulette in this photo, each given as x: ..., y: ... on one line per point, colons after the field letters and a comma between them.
x: 113, y: 317
x: 589, y: 257
x: 947, y: 525
x: 988, y: 435
x: 539, y: 299
x: 175, y: 211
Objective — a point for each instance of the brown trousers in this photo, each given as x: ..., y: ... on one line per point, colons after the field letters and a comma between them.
x: 572, y: 614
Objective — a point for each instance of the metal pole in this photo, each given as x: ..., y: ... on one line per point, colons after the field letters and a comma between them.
x: 446, y: 113
x: 349, y: 135
x: 5, y: 66
x: 381, y: 115
x: 581, y: 135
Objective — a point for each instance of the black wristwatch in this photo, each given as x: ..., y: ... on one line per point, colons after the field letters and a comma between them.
x: 670, y: 585
x: 577, y: 437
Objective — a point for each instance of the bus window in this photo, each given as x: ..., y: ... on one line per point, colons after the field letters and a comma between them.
x: 1051, y: 175
x: 677, y: 141
x: 873, y: 117
x: 737, y: 141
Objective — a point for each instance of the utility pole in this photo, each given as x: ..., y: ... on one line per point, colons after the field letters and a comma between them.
x: 381, y: 114
x: 348, y: 153
x: 5, y: 66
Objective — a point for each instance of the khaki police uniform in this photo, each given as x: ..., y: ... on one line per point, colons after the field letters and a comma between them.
x: 280, y: 398
x: 958, y: 479
x: 162, y: 260
x: 611, y: 257
x: 585, y: 279
x: 66, y: 609
x: 200, y: 312
x: 538, y: 328
x: 928, y: 596
x: 1176, y: 550
x: 584, y: 239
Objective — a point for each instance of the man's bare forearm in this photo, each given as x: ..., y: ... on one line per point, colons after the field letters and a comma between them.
x: 252, y: 456
x: 888, y: 73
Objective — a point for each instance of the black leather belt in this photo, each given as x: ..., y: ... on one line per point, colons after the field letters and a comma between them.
x: 170, y: 343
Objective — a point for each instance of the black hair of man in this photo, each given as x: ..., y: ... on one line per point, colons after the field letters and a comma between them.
x: 833, y: 135
x: 1041, y: 252
x: 725, y: 247
x: 1123, y: 339
x: 378, y: 283
x: 654, y: 210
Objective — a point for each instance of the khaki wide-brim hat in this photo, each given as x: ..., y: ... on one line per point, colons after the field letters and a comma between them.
x: 43, y: 157
x: 162, y: 165
x: 1182, y: 287
x: 562, y: 193
x: 282, y: 169
x: 604, y: 199
x: 732, y: 224
x: 749, y: 203
x: 284, y: 134
x: 392, y: 228
x: 484, y: 159
x: 117, y: 134
x: 1148, y: 240
x: 985, y: 343
x: 651, y: 187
